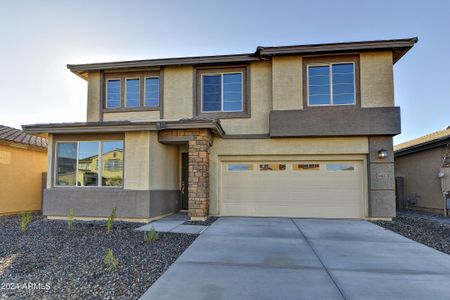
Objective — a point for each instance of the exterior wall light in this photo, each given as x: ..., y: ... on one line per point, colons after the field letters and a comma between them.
x: 383, y: 153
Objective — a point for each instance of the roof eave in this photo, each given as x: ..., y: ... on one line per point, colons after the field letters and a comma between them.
x: 123, y: 126
x: 423, y: 146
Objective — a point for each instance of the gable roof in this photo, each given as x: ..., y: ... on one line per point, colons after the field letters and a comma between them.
x: 399, y: 47
x: 428, y: 141
x: 13, y: 135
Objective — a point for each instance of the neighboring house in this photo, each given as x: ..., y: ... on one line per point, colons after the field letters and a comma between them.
x: 23, y: 159
x: 295, y: 131
x: 422, y: 169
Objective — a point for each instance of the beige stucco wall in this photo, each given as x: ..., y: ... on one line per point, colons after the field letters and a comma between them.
x: 21, y: 184
x: 275, y: 147
x: 178, y: 92
x: 94, y: 96
x: 287, y: 82
x: 261, y: 103
x: 164, y: 165
x: 136, y: 163
x: 420, y: 172
x: 132, y: 116
x: 377, y: 79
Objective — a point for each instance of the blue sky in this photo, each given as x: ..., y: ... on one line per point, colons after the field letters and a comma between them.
x: 38, y: 39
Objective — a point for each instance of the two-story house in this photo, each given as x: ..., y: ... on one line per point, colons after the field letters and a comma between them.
x: 294, y: 131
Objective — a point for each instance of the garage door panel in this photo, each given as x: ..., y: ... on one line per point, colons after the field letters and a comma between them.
x: 335, y: 192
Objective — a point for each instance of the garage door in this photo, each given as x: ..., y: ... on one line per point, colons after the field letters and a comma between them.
x: 325, y: 189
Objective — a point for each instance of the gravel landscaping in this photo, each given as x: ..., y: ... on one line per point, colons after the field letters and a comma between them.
x: 207, y: 222
x: 425, y: 230
x: 68, y: 264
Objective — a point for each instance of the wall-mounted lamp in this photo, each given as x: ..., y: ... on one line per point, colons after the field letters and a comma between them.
x: 383, y: 153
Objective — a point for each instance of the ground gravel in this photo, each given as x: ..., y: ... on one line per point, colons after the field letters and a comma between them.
x: 68, y: 264
x: 427, y: 231
x: 207, y: 222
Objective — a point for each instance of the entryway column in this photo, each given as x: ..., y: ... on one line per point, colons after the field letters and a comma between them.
x: 198, y: 187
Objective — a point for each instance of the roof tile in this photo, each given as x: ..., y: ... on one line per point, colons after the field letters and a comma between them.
x: 424, y: 139
x: 14, y: 135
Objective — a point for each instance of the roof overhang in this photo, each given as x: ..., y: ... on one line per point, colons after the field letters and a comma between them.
x: 398, y: 46
x: 444, y: 141
x: 124, y: 126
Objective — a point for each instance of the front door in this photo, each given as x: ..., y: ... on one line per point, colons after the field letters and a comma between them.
x: 184, y: 181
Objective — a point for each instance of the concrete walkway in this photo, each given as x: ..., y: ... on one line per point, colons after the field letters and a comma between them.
x: 173, y: 223
x: 274, y: 258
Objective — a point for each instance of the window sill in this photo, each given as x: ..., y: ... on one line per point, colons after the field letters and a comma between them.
x: 131, y: 109
x: 224, y: 115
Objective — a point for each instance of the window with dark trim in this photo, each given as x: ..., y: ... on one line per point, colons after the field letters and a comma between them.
x: 331, y: 84
x: 331, y: 81
x: 132, y: 91
x: 113, y: 91
x: 89, y: 164
x: 222, y: 92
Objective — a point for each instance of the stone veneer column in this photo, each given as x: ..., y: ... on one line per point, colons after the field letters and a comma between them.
x: 381, y: 178
x: 198, y: 187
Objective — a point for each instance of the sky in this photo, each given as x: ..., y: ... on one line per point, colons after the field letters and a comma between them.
x: 39, y: 38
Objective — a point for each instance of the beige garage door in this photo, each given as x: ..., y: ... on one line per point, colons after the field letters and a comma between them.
x: 325, y: 189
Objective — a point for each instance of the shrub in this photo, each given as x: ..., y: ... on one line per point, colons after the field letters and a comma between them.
x: 25, y: 219
x: 110, y: 261
x: 70, y: 217
x: 151, y: 236
x: 110, y: 223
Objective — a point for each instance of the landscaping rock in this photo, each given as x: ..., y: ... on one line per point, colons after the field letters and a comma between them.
x: 432, y: 233
x: 49, y: 261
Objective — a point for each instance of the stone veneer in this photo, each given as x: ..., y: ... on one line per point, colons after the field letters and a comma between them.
x: 199, y: 141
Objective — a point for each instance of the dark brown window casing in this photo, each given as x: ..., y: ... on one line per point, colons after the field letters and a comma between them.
x: 331, y: 59
x: 245, y: 70
x: 123, y: 76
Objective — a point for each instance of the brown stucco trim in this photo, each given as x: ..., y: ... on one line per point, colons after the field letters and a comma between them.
x: 246, y: 136
x: 326, y: 60
x: 199, y: 71
x: 335, y: 121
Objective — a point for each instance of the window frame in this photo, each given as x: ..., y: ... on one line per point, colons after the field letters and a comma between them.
x: 330, y: 66
x: 106, y: 92
x: 123, y: 76
x: 100, y: 165
x: 145, y: 91
x: 222, y: 92
x: 329, y: 61
x: 230, y: 69
x: 125, y: 92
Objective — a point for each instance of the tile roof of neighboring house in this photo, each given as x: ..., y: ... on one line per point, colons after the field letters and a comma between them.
x: 13, y: 135
x: 431, y: 138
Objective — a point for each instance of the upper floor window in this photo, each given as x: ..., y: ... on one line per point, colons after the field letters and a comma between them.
x: 113, y: 93
x: 133, y: 90
x: 222, y: 92
x: 151, y: 92
x: 331, y: 84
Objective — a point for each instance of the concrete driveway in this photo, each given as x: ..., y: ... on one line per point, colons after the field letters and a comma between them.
x: 276, y: 258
